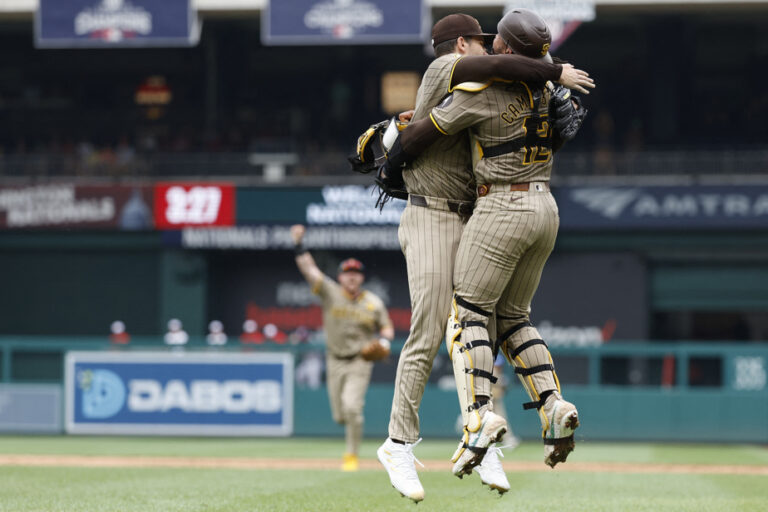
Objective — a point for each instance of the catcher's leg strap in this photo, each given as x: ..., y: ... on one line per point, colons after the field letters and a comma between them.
x: 465, y: 437
x: 512, y: 330
x: 476, y: 343
x: 508, y: 333
x: 471, y: 307
x: 477, y: 405
x: 523, y: 347
x: 472, y: 360
x: 471, y: 381
x: 536, y: 369
x: 477, y: 372
x: 538, y: 404
x: 558, y: 441
x: 526, y: 345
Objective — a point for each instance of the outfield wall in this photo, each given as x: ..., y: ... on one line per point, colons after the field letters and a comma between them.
x: 676, y: 408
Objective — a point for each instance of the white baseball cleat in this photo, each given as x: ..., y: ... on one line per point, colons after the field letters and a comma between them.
x: 474, y: 445
x: 399, y: 461
x: 491, y: 472
x: 562, y: 419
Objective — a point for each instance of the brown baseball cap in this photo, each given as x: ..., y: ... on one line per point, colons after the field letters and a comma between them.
x: 455, y: 25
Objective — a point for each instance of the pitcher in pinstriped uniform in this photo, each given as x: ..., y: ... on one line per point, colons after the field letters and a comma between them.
x: 441, y: 191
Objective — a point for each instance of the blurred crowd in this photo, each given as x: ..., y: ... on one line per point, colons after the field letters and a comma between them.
x: 251, y: 334
x: 153, y: 155
x: 604, y: 147
x: 204, y: 110
x: 310, y: 365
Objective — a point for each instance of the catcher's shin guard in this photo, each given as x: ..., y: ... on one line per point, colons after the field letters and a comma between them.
x: 528, y: 353
x: 471, y: 353
x: 523, y: 347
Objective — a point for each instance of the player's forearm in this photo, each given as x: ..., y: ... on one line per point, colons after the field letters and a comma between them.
x: 478, y: 68
x: 387, y: 332
x: 308, y: 267
x: 418, y: 136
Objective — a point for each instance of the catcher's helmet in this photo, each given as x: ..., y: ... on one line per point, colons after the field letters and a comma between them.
x: 525, y: 32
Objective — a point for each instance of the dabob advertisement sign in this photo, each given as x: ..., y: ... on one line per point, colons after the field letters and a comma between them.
x: 155, y: 393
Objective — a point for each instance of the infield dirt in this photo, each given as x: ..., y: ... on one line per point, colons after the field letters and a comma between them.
x: 101, y: 461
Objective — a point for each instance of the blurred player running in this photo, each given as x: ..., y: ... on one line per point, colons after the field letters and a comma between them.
x: 352, y: 318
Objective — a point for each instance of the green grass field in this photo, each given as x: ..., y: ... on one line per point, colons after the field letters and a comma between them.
x: 741, y: 486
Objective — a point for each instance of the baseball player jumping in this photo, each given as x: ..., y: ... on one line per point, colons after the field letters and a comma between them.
x: 440, y: 193
x: 506, y: 242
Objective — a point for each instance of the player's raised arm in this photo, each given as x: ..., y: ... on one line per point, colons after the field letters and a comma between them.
x: 304, y: 259
x: 479, y: 68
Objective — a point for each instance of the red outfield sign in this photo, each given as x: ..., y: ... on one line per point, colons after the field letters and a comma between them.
x: 179, y: 205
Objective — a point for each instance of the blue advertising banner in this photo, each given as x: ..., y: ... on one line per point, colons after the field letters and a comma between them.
x: 344, y: 216
x: 115, y: 23
x: 154, y: 393
x: 343, y: 22
x: 663, y: 207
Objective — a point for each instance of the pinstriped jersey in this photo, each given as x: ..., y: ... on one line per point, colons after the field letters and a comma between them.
x: 499, y: 113
x: 445, y: 168
x: 349, y: 323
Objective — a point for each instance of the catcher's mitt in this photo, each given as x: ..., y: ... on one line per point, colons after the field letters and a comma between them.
x: 565, y: 116
x: 391, y: 184
x: 375, y: 350
x: 379, y: 149
x: 369, y: 153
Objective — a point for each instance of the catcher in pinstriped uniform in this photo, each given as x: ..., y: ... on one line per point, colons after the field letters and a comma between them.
x: 440, y: 190
x: 515, y: 129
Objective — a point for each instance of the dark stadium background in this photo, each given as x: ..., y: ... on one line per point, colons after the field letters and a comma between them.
x: 680, y: 102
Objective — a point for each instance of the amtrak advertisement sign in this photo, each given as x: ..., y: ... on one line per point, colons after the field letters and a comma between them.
x: 179, y: 393
x: 115, y: 23
x: 663, y: 207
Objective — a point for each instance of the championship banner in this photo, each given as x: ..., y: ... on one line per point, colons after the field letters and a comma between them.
x: 179, y: 205
x: 152, y: 393
x: 313, y: 22
x: 663, y: 207
x: 68, y: 206
x: 115, y: 23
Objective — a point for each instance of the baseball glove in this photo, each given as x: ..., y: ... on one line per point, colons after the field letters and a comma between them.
x: 369, y: 153
x: 566, y: 117
x: 391, y: 184
x: 375, y: 350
